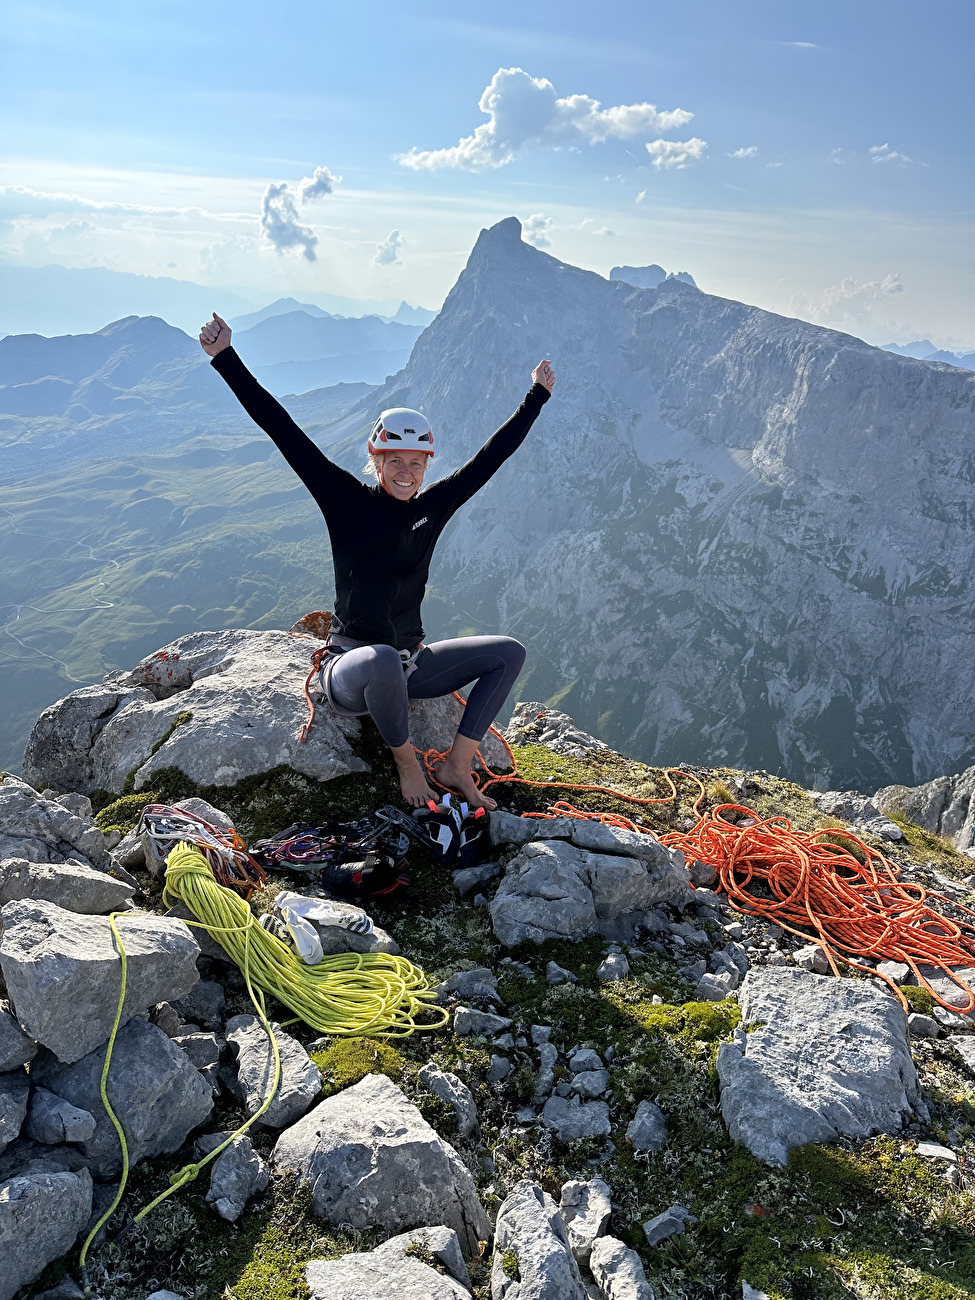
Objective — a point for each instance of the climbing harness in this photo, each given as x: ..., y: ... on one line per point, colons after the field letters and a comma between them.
x: 352, y: 994
x: 164, y: 827
x: 323, y: 661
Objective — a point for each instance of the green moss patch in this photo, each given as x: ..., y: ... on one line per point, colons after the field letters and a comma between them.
x: 123, y: 814
x: 347, y: 1060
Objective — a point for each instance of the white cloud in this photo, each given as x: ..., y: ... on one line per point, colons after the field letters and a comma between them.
x: 802, y: 45
x: 18, y: 203
x: 317, y: 185
x: 279, y: 221
x: 536, y: 230
x: 589, y: 224
x: 676, y: 153
x: 280, y: 224
x: 387, y: 253
x: 640, y: 197
x: 849, y: 305
x: 524, y: 110
x: 836, y: 157
x: 746, y: 151
x: 882, y: 153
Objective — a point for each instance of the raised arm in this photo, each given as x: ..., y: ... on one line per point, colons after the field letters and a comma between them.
x: 309, y: 462
x: 471, y: 477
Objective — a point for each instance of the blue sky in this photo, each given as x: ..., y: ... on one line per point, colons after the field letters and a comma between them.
x: 144, y: 138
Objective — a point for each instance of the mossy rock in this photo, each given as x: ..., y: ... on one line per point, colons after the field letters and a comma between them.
x: 348, y: 1060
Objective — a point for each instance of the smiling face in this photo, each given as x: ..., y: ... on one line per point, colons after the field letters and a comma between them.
x: 402, y: 472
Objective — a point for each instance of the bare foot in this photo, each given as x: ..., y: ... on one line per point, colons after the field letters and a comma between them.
x: 459, y: 779
x: 413, y: 780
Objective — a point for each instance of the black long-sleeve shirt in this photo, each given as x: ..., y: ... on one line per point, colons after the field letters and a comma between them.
x: 381, y: 547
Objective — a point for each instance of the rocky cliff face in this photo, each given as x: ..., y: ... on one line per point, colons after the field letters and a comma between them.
x: 731, y: 537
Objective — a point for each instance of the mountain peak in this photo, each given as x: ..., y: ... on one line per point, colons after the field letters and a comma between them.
x: 503, y: 234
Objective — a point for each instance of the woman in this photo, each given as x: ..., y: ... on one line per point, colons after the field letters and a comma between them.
x: 383, y: 537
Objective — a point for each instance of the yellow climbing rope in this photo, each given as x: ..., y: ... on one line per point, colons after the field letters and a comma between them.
x: 361, y: 994
x: 365, y: 994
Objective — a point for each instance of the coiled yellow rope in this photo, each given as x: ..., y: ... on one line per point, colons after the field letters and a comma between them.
x: 362, y: 994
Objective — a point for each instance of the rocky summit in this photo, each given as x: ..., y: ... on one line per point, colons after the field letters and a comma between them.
x: 643, y: 1088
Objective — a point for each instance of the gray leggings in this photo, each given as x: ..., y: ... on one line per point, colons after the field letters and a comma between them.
x: 370, y: 679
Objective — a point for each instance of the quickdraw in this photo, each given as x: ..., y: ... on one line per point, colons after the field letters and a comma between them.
x: 224, y: 850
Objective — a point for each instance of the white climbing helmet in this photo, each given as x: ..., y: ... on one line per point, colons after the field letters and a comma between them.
x: 400, y: 429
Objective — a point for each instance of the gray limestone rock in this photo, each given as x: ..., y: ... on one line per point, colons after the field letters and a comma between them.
x: 500, y: 1068
x: 468, y: 1021
x: 898, y: 971
x: 69, y: 884
x: 647, y: 1130
x: 51, y: 1119
x: 811, y: 958
x: 442, y: 1244
x: 23, y: 1156
x: 453, y: 1091
x: 613, y: 967
x: 378, y: 1274
x: 832, y: 1058
x: 584, y: 1058
x: 202, y: 1049
x: 203, y: 1005
x: 590, y: 1083
x: 480, y: 985
x: 16, y: 1047
x: 95, y: 736
x: 545, y: 1079
x: 534, y: 724
x: 507, y: 829
x: 300, y: 1084
x: 715, y: 988
x: 951, y: 992
x: 236, y: 1176
x: 619, y: 1271
x: 847, y: 805
x: 129, y: 853
x: 41, y: 1214
x: 945, y: 806
x: 157, y: 1095
x: 919, y: 1026
x: 530, y: 1227
x: 470, y: 879
x: 79, y: 804
x: 14, y: 1091
x: 373, y: 1161
x: 556, y: 974
x: 552, y: 889
x: 43, y: 830
x: 571, y: 1118
x: 586, y: 1209
x: 964, y: 1045
x: 669, y: 1224
x: 63, y: 972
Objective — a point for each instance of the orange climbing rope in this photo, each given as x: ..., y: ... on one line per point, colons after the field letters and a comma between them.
x: 799, y: 880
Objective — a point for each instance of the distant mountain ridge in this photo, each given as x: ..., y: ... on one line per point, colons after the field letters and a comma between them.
x: 731, y: 536
x: 924, y: 350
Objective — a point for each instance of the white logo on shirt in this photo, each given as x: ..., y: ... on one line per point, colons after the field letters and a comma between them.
x: 418, y: 523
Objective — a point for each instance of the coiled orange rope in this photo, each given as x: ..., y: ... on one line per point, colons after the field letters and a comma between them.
x: 799, y: 880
